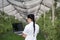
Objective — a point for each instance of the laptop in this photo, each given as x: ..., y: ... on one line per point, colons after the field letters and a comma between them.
x: 17, y: 28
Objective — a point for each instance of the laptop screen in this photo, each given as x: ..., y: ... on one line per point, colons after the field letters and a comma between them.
x: 17, y: 27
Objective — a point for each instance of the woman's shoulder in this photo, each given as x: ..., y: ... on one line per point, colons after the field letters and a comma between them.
x: 27, y: 25
x: 37, y: 25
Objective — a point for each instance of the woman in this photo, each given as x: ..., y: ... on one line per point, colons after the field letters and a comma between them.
x: 31, y: 29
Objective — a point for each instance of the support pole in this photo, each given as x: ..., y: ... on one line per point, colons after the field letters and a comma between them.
x: 53, y: 13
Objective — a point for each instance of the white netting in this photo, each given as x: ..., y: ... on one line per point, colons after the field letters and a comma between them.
x: 14, y: 7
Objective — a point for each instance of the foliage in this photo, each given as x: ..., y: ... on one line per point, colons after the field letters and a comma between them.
x: 50, y: 32
x: 6, y: 22
x: 57, y: 22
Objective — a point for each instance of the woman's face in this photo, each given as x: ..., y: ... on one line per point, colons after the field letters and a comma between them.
x: 28, y: 20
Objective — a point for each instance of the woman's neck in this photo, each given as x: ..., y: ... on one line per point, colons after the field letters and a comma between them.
x: 30, y: 21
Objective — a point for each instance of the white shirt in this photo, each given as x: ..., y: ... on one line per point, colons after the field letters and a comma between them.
x: 29, y: 31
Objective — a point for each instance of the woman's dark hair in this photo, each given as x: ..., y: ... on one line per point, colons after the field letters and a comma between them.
x: 32, y: 17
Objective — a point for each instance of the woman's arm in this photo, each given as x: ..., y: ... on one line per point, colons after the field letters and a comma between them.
x: 24, y: 34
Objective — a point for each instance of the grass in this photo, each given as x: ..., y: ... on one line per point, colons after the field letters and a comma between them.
x: 12, y: 36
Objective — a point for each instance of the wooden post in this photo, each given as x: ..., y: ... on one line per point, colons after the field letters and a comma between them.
x: 53, y: 12
x: 44, y: 17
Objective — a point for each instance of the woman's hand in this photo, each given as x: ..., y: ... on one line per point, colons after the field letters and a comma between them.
x: 24, y: 35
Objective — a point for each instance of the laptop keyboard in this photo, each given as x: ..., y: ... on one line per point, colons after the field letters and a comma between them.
x: 18, y: 32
